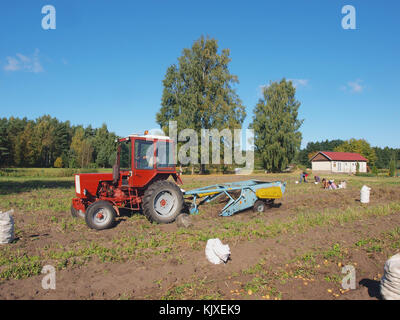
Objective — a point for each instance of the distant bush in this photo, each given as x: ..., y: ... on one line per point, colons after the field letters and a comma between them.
x: 392, y: 167
x: 58, y: 163
x: 299, y: 167
x: 365, y: 174
x: 93, y: 165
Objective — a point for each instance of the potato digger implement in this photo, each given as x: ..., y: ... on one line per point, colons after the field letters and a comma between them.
x: 252, y: 194
x: 139, y: 181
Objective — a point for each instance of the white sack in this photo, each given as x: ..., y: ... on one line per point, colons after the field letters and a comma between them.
x: 390, y: 282
x: 6, y: 227
x: 216, y: 252
x: 364, y: 197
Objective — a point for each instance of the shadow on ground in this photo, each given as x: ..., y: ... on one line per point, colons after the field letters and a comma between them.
x: 10, y: 187
x: 373, y: 287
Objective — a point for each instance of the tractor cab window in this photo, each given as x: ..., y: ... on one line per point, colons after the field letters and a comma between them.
x: 144, y: 154
x: 125, y: 156
x: 165, y: 156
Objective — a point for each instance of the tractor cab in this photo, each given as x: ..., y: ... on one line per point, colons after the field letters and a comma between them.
x: 140, y: 158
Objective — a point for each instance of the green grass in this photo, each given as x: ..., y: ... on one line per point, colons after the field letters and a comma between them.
x: 46, y: 172
x: 335, y: 252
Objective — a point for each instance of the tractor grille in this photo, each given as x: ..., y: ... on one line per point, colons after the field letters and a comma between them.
x: 77, y: 184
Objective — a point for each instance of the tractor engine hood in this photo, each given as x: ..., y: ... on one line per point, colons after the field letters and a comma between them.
x: 87, y: 183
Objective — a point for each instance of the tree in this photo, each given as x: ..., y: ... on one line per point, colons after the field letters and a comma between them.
x: 25, y: 154
x: 4, y: 143
x: 198, y: 92
x: 276, y: 126
x: 104, y: 146
x: 44, y: 140
x: 384, y: 155
x: 392, y: 165
x: 374, y: 170
x: 14, y: 127
x: 360, y: 146
x: 82, y: 148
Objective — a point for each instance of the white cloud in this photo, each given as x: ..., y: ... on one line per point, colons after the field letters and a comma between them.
x: 12, y: 64
x: 299, y: 82
x: 22, y: 62
x: 354, y: 86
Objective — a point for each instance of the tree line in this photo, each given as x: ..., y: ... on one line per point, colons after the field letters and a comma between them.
x: 48, y: 142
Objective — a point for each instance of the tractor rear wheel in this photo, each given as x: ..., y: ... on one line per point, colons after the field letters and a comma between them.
x: 77, y: 213
x: 100, y: 215
x: 162, y: 201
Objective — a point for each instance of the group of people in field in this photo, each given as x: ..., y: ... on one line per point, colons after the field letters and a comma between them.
x: 326, y: 184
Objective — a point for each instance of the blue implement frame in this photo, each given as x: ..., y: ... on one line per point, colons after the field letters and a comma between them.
x: 245, y: 200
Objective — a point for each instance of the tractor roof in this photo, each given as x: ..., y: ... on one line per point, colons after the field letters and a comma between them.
x: 150, y: 136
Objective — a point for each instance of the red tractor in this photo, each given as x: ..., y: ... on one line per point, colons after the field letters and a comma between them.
x: 138, y: 181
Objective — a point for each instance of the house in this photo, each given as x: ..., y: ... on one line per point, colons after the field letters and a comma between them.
x: 338, y: 162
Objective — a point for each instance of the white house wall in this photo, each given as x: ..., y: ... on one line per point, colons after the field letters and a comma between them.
x: 321, y: 166
x: 363, y: 167
x: 338, y: 166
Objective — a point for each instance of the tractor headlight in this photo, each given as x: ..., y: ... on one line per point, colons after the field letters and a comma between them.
x: 77, y: 184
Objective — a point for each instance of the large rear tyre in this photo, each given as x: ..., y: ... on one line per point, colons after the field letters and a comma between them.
x: 162, y: 202
x: 100, y: 215
x: 77, y: 213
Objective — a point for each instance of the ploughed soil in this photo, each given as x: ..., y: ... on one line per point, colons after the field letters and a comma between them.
x: 289, y: 264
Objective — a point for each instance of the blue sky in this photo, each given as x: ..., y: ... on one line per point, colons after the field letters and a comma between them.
x: 105, y: 61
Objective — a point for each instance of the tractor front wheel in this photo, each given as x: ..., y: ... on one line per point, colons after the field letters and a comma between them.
x: 162, y: 201
x: 100, y: 215
x: 77, y: 213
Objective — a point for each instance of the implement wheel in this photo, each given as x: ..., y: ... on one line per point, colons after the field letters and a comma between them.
x: 162, y: 202
x: 259, y: 206
x: 100, y: 215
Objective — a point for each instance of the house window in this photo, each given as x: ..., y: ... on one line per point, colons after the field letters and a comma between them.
x: 334, y: 164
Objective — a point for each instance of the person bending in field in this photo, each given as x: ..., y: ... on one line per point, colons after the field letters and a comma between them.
x: 325, y: 183
x: 332, y: 185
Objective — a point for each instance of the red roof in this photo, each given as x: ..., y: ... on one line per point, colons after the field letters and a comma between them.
x: 343, y: 156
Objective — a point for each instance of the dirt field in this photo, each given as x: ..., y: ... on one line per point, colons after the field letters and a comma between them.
x: 295, y: 251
